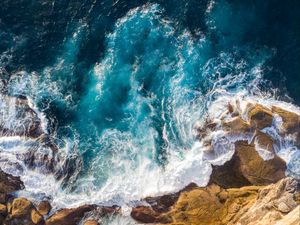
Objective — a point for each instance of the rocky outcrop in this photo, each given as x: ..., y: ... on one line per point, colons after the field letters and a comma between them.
x: 273, y: 203
x: 245, y: 125
x: 217, y: 206
x: 247, y: 168
x: 21, y: 211
x: 251, y: 188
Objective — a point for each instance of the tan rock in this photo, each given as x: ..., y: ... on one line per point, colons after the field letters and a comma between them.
x: 212, y: 206
x: 292, y: 218
x: 44, y: 208
x: 91, y: 222
x: 36, y: 217
x: 291, y: 120
x: 236, y: 126
x: 250, y: 205
x: 21, y: 207
x: 266, y: 210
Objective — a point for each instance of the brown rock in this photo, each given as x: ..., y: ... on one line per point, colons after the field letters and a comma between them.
x: 246, y: 167
x: 2, y: 218
x: 146, y: 214
x: 75, y: 215
x: 9, y: 183
x: 256, y: 170
x: 69, y: 216
x: 264, y: 141
x: 44, y: 208
x: 229, y: 174
x: 31, y: 123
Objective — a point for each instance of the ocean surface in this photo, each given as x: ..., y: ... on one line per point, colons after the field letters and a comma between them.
x: 120, y: 85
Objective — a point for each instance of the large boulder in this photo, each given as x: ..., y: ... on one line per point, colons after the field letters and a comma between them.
x: 257, y: 170
x: 75, y: 215
x: 247, y: 167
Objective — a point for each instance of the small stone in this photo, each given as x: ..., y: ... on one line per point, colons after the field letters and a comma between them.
x: 282, y: 207
x: 36, y: 217
x: 44, y: 208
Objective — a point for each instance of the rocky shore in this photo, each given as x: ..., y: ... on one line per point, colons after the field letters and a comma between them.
x: 254, y: 187
x: 19, y: 210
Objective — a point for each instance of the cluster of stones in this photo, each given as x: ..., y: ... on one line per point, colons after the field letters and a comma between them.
x: 21, y: 211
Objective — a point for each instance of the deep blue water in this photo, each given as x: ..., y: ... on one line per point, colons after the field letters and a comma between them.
x: 130, y: 78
